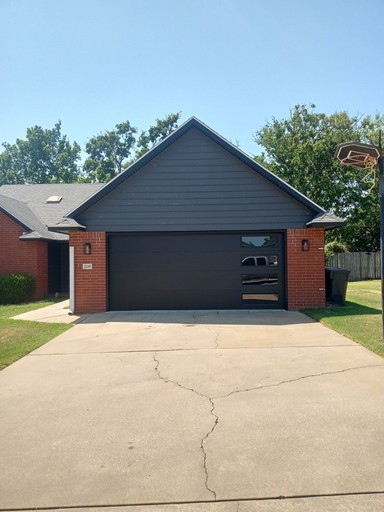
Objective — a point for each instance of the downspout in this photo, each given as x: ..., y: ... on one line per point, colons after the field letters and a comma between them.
x: 71, y: 280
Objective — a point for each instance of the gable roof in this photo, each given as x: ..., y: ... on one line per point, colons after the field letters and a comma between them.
x: 193, y: 122
x: 27, y: 205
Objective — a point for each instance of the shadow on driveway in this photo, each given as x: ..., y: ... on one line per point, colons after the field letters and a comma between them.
x: 202, y: 317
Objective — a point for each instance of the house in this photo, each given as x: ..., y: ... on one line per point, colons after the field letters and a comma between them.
x: 26, y: 243
x: 195, y: 224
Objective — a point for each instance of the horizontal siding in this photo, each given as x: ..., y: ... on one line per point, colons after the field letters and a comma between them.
x: 210, y: 210
x: 195, y: 185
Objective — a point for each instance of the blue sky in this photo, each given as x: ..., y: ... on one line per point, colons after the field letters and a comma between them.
x: 232, y: 63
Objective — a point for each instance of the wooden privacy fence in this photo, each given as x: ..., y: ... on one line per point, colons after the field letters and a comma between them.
x: 363, y: 265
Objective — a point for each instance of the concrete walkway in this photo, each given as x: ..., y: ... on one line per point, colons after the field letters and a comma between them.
x: 56, y: 313
x: 218, y: 411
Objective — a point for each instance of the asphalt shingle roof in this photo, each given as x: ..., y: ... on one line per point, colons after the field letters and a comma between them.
x: 28, y: 205
x: 326, y: 219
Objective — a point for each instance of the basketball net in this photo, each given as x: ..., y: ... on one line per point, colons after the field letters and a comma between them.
x: 370, y: 164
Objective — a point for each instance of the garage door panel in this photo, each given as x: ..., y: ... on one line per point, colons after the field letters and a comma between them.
x: 172, y: 243
x: 186, y: 299
x: 168, y: 261
x: 194, y: 271
x: 196, y: 280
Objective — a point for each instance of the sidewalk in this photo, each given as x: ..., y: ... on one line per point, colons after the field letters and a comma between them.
x: 56, y: 314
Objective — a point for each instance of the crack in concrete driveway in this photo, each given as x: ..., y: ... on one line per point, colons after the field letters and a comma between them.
x: 290, y: 381
x: 211, y: 399
x: 216, y: 419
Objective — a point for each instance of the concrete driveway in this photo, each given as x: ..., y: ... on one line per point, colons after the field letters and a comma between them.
x: 194, y: 411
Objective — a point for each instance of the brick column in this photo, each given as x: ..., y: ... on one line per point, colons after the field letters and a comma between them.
x: 306, y: 269
x: 90, y: 284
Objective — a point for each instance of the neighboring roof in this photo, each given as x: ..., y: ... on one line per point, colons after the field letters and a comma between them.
x: 27, y: 205
x: 193, y: 122
x: 20, y: 213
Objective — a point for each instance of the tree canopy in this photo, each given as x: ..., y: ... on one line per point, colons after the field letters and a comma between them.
x: 45, y: 156
x: 109, y: 153
x: 301, y: 150
x: 157, y: 133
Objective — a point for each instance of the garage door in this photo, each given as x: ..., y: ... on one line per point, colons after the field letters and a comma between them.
x: 196, y: 271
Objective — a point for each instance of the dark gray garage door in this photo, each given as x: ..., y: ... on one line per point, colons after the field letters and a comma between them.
x: 196, y: 271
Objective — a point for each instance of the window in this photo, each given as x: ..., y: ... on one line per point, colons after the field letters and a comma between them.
x: 259, y: 261
x: 254, y: 298
x: 259, y: 241
x: 259, y: 280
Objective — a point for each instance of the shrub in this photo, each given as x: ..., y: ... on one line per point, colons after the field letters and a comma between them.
x: 335, y: 247
x: 16, y: 288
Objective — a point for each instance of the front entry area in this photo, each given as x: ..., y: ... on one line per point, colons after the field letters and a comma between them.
x: 196, y: 271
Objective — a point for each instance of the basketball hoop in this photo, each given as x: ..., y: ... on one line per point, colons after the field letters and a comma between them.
x: 368, y: 156
x: 357, y: 154
x: 362, y: 156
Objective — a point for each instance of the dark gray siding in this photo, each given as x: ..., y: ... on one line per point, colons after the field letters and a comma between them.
x: 195, y: 185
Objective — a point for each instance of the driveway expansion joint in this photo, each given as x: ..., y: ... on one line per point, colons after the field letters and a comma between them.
x: 238, y: 501
x: 212, y: 411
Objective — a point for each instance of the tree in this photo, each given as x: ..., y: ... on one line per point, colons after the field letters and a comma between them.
x: 301, y: 150
x: 113, y: 151
x: 10, y: 167
x: 45, y: 156
x: 157, y: 133
x: 109, y: 151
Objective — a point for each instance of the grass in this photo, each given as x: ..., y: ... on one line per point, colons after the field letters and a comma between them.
x: 19, y: 337
x: 360, y: 318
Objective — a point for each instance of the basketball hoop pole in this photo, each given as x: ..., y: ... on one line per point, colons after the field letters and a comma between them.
x: 381, y: 194
x: 363, y: 156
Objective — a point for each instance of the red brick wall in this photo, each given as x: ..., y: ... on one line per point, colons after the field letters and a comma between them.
x: 306, y: 274
x: 90, y: 285
x: 18, y: 256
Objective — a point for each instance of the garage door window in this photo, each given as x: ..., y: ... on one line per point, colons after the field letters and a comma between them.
x: 259, y: 280
x: 259, y: 241
x: 259, y: 261
x: 258, y: 298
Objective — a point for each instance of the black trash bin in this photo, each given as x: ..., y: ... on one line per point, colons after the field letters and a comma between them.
x: 336, y: 282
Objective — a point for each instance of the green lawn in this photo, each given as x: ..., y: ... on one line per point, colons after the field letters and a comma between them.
x: 19, y: 337
x: 360, y: 318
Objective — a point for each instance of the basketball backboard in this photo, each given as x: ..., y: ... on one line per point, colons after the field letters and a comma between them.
x: 358, y: 154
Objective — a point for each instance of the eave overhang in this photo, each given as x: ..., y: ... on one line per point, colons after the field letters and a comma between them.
x: 15, y: 219
x: 326, y: 220
x: 66, y: 225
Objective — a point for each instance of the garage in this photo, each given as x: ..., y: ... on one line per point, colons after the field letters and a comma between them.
x: 196, y: 271
x: 195, y: 223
